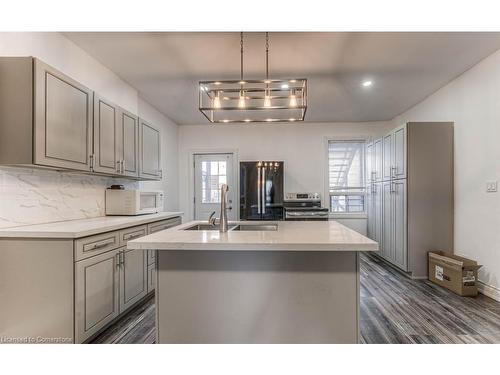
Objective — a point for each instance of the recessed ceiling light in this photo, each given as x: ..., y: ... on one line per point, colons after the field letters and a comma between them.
x: 225, y: 120
x: 367, y: 83
x: 285, y: 86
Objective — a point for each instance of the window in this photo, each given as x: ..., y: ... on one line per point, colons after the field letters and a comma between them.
x: 213, y: 175
x: 346, y: 170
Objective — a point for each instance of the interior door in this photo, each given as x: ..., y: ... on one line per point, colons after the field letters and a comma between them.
x: 149, y: 151
x: 63, y: 120
x: 128, y: 143
x: 96, y: 293
x: 210, y: 172
x: 105, y: 136
x: 399, y: 224
x: 399, y: 153
x: 133, y: 277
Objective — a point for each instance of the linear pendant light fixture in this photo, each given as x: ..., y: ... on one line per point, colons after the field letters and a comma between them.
x: 253, y: 100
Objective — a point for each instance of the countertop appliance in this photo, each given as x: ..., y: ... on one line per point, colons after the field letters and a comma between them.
x: 133, y: 202
x: 304, y: 207
x: 261, y: 190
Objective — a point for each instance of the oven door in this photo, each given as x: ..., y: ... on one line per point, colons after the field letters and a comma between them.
x: 306, y: 215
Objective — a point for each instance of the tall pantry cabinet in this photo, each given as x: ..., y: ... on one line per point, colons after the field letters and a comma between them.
x: 410, y: 193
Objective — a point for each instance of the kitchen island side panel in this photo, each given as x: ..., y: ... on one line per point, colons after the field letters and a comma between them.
x: 257, y: 297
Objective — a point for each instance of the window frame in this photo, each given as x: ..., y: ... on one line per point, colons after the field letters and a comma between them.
x: 340, y: 215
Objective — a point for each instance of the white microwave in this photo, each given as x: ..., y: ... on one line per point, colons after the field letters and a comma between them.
x: 133, y: 202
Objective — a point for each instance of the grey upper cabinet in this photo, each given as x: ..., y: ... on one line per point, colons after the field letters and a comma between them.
x: 63, y: 120
x: 399, y: 165
x: 96, y: 293
x: 149, y: 151
x: 48, y: 119
x: 128, y: 144
x: 377, y: 160
x: 116, y: 139
x: 105, y: 136
x: 387, y: 153
x: 369, y: 163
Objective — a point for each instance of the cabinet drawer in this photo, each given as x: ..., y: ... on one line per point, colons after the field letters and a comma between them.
x: 132, y: 233
x: 94, y: 245
x: 164, y: 224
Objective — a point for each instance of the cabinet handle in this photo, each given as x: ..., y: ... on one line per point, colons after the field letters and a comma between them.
x: 122, y: 257
x: 123, y: 166
x: 118, y: 259
x: 118, y: 166
x: 104, y: 243
x: 394, y: 171
x: 132, y: 235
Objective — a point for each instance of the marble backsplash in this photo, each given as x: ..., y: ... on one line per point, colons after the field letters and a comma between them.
x: 34, y: 196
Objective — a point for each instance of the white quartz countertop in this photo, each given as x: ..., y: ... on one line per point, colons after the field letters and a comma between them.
x: 83, y: 227
x: 290, y: 236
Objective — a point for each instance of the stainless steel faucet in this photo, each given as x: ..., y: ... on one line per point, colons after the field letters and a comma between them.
x: 212, y: 219
x: 223, y: 208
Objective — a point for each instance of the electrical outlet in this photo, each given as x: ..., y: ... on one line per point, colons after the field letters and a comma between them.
x: 492, y: 187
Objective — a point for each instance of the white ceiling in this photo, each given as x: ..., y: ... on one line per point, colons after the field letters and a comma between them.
x: 404, y: 67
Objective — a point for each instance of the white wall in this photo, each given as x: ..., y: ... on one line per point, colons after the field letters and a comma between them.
x: 170, y: 161
x: 301, y: 146
x: 472, y: 101
x: 35, y: 196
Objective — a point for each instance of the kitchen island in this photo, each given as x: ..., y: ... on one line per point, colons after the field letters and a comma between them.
x: 283, y: 282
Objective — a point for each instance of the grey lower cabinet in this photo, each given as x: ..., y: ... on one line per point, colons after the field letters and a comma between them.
x: 149, y: 151
x: 151, y: 254
x: 96, y: 293
x: 109, y: 278
x: 50, y: 120
x: 416, y: 194
x: 133, y: 277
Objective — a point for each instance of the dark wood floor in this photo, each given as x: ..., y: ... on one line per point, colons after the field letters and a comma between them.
x: 394, y: 309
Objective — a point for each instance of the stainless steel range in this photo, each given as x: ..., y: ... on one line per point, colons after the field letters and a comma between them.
x: 304, y: 206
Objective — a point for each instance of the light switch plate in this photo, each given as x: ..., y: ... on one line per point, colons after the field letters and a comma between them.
x: 492, y: 187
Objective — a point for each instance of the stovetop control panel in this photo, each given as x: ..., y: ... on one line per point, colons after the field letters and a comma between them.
x: 302, y: 197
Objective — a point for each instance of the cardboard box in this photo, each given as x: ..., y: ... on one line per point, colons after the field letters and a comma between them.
x: 456, y: 273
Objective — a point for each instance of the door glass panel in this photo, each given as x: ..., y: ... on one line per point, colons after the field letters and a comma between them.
x: 213, y: 175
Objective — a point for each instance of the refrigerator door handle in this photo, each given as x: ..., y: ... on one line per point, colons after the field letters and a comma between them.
x: 258, y: 189
x: 263, y: 190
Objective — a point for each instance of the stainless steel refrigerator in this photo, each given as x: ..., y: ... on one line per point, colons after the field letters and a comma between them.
x: 261, y: 190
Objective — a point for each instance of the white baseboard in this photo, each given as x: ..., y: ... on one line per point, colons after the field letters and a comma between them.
x: 488, y: 290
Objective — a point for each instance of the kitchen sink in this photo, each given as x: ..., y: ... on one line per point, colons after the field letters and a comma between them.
x: 207, y: 227
x: 256, y: 227
x: 235, y: 227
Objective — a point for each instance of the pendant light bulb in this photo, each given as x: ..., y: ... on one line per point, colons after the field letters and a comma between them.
x: 241, y: 101
x: 267, y: 99
x: 216, y: 103
x: 293, y: 99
